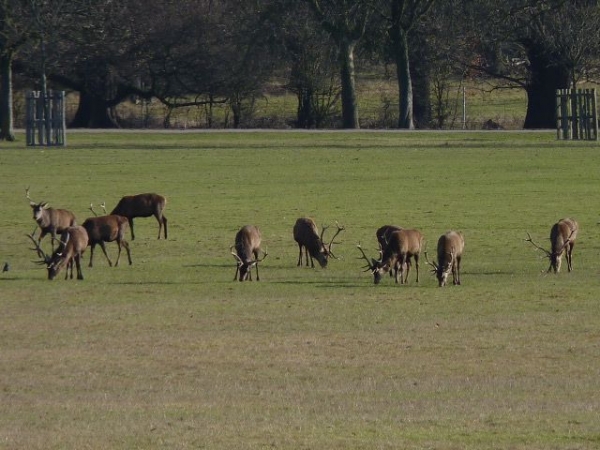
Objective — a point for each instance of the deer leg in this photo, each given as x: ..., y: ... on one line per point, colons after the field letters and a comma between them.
x: 417, y: 265
x: 570, y: 256
x: 237, y: 268
x: 103, y: 247
x: 164, y: 221
x: 457, y: 272
x: 126, y: 245
x: 78, y: 263
x: 299, y: 256
x: 130, y: 220
x: 91, y: 254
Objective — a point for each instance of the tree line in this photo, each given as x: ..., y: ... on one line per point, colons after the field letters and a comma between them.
x: 211, y: 52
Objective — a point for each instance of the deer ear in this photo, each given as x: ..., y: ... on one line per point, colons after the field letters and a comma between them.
x: 32, y: 204
x: 44, y: 205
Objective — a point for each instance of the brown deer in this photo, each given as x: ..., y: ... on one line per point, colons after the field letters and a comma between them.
x: 562, y: 237
x: 51, y: 221
x: 73, y: 242
x: 383, y: 237
x: 143, y: 205
x: 306, y: 234
x: 103, y: 229
x: 450, y: 249
x: 402, y: 246
x: 247, y: 249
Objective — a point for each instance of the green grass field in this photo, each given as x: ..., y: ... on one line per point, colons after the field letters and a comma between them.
x: 170, y: 353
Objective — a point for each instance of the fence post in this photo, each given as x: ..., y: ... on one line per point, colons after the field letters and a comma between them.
x: 576, y: 115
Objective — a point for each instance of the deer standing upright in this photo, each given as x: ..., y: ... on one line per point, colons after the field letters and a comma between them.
x: 306, y: 235
x: 247, y: 249
x: 103, y: 229
x: 143, y: 205
x: 50, y: 221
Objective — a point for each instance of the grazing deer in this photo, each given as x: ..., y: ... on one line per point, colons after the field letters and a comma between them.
x: 247, y: 249
x: 73, y: 242
x: 450, y: 248
x: 142, y: 205
x: 383, y: 237
x: 402, y: 246
x: 562, y: 237
x: 306, y: 234
x: 103, y: 229
x: 51, y: 221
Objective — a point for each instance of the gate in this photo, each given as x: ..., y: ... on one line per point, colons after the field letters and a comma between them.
x: 576, y: 116
x: 45, y: 119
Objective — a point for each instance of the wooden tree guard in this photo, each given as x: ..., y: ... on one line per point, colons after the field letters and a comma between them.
x: 46, y: 119
x: 576, y: 116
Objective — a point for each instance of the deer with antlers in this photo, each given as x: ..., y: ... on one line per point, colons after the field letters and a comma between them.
x: 306, y: 235
x: 108, y: 228
x: 143, y: 205
x: 50, y: 221
x: 450, y: 248
x: 562, y: 238
x: 383, y: 234
x: 247, y: 248
x: 403, y: 245
x: 73, y: 242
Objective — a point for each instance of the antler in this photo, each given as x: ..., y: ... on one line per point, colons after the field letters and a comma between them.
x: 529, y: 239
x: 91, y: 208
x: 39, y: 250
x: 340, y: 228
x: 370, y: 266
x: 103, y: 206
x: 432, y: 264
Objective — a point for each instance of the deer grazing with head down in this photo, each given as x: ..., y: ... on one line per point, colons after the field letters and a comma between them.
x: 108, y: 228
x: 51, y: 221
x: 403, y: 245
x: 247, y: 248
x: 143, y: 205
x: 306, y: 235
x: 450, y: 249
x: 562, y: 240
x: 73, y: 242
x: 383, y: 234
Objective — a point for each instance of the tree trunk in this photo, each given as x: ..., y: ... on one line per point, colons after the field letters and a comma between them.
x: 6, y: 97
x: 347, y: 74
x: 421, y: 77
x: 93, y: 112
x: 405, y: 90
x: 545, y: 79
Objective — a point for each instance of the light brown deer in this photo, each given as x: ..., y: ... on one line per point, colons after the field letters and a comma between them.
x: 450, y: 249
x: 50, y: 221
x: 143, y: 205
x: 402, y: 246
x: 73, y: 242
x: 247, y: 248
x: 306, y: 235
x: 103, y: 229
x: 562, y: 237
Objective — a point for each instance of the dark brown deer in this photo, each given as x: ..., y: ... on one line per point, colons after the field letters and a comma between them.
x: 73, y: 242
x: 143, y: 205
x: 450, y: 249
x: 51, y: 221
x: 306, y: 234
x: 103, y: 229
x: 383, y: 237
x: 247, y: 248
x: 402, y: 246
x: 562, y: 237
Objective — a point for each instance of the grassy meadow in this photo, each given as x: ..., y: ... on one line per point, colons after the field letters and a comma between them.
x: 170, y: 353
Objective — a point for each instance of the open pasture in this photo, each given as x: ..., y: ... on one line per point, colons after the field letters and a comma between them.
x: 171, y: 353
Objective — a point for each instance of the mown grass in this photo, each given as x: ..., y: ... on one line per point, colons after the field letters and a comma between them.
x: 171, y: 353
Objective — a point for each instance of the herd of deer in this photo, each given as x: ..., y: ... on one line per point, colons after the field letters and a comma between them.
x: 73, y: 239
x: 398, y: 246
